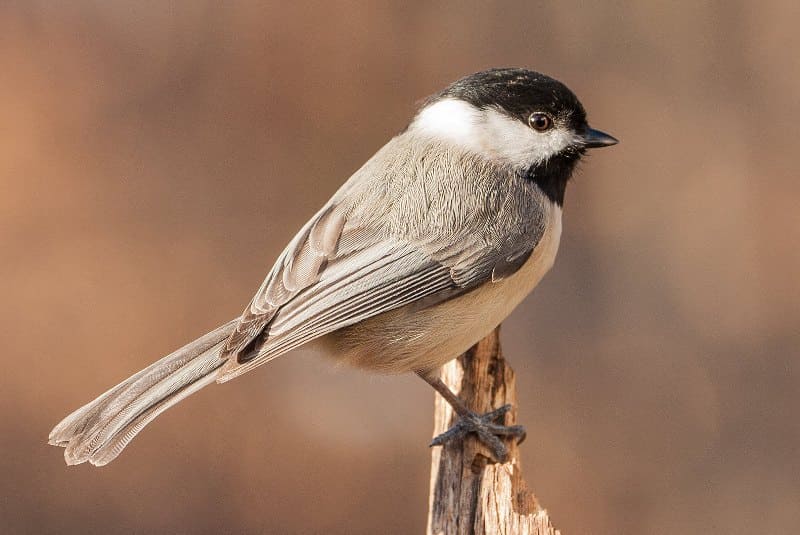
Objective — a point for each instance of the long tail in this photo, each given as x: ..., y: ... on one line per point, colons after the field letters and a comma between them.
x: 100, y: 430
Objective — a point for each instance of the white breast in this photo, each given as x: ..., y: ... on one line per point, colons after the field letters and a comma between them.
x: 409, y: 340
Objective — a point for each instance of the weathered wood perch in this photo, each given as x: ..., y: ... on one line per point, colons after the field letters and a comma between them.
x: 471, y: 494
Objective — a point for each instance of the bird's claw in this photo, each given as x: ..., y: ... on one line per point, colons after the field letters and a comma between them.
x: 487, y: 431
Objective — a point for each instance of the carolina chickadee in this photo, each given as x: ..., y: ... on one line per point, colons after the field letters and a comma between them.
x: 419, y: 255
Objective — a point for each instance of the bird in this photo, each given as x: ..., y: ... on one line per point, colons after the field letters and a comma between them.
x: 421, y: 253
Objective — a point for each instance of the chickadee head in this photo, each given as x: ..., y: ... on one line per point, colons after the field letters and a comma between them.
x: 516, y: 117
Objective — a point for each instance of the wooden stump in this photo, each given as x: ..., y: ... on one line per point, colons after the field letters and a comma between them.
x: 470, y: 493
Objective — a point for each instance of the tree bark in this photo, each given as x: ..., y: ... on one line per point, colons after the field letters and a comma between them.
x: 470, y: 493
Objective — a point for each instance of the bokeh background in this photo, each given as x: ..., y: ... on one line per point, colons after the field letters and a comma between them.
x: 155, y: 158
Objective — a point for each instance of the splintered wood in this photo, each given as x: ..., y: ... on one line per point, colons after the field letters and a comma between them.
x: 470, y: 493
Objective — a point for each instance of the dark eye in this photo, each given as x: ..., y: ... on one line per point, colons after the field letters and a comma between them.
x: 540, y: 121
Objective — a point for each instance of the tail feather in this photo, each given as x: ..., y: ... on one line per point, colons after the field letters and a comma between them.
x: 100, y: 430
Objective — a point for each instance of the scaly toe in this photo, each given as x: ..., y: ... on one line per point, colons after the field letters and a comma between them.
x: 487, y: 431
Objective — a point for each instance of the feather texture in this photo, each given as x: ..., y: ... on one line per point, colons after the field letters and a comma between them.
x: 422, y: 220
x: 420, y: 224
x: 98, y: 431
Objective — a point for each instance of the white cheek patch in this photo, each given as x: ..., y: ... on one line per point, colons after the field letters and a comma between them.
x: 490, y: 133
x: 519, y: 144
x: 451, y: 120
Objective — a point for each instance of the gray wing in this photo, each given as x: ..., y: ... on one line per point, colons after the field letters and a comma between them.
x: 392, y: 236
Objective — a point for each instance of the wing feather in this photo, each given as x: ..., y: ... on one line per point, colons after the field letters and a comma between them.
x: 387, y: 239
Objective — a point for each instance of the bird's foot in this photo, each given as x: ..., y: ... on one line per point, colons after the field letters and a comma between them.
x: 486, y: 429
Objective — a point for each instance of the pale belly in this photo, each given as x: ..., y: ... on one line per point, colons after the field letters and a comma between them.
x: 409, y: 339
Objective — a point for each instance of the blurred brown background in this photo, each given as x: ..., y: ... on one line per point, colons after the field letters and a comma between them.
x: 141, y: 142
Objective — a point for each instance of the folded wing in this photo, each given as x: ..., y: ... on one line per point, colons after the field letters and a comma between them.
x: 392, y: 236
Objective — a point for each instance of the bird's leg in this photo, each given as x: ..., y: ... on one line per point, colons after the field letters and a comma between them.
x: 483, y: 425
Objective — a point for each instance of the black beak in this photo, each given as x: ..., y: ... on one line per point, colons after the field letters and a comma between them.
x: 595, y: 139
